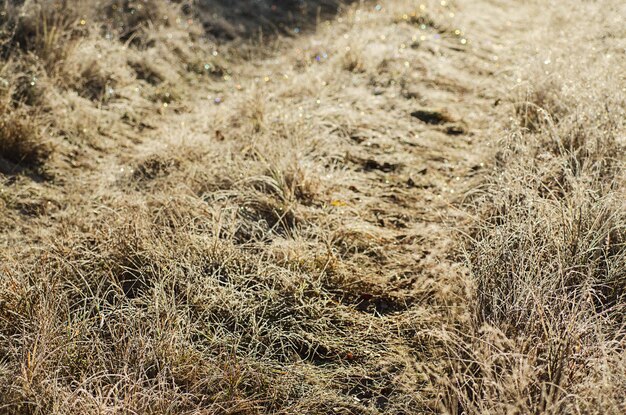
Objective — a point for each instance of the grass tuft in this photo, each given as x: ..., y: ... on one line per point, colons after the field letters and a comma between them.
x: 21, y: 140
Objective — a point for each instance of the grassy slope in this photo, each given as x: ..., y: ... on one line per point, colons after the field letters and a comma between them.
x: 547, y: 254
x: 272, y: 231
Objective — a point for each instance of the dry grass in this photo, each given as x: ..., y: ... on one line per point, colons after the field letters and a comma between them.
x: 325, y: 225
x: 20, y: 139
x: 548, y: 257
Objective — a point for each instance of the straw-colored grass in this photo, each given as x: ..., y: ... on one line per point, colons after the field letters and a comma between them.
x: 393, y: 209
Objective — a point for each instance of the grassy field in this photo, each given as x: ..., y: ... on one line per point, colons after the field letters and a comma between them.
x: 290, y: 207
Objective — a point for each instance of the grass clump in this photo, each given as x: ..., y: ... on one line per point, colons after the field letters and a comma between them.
x: 548, y: 258
x: 42, y: 27
x: 72, y: 62
x: 129, y: 18
x: 21, y: 140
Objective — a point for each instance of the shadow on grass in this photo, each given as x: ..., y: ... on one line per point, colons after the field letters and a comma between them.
x: 228, y: 19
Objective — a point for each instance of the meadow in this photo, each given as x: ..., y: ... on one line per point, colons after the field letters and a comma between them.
x: 320, y: 207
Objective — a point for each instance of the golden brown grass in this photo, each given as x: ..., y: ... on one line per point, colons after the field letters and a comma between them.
x: 547, y: 257
x: 21, y: 139
x: 372, y: 217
